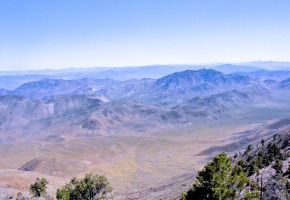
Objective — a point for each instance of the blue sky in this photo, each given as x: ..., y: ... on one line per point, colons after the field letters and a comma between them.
x: 38, y: 34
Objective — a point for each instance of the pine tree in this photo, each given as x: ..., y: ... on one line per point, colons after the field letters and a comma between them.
x: 219, y: 180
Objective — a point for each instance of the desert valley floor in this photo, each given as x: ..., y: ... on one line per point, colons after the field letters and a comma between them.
x: 142, y: 166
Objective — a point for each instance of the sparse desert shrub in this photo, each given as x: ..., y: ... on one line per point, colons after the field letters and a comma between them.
x: 285, y: 144
x: 249, y: 149
x: 38, y: 188
x: 91, y: 187
x: 278, y: 166
x: 288, y: 186
x: 262, y: 142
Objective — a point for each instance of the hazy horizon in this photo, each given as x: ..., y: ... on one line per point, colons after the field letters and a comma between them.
x: 38, y: 35
x: 267, y: 64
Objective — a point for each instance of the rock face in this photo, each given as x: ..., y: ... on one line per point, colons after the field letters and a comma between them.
x: 285, y: 84
x: 91, y: 124
x: 192, y: 79
x: 271, y: 162
x: 46, y: 88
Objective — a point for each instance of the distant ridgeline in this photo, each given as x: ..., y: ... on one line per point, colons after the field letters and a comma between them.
x: 98, y: 106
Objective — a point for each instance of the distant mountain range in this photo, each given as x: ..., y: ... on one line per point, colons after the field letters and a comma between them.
x: 184, y: 85
x: 13, y: 79
x: 105, y: 106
